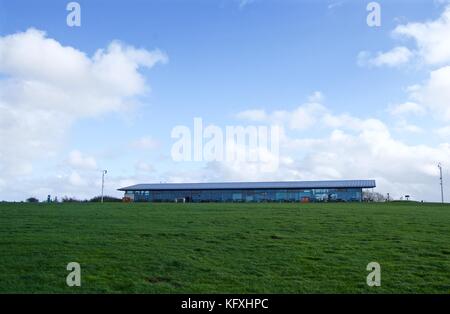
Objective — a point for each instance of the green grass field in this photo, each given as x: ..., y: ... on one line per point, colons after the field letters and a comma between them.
x: 225, y: 248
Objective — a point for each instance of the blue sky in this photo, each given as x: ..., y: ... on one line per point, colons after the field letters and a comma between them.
x: 225, y: 58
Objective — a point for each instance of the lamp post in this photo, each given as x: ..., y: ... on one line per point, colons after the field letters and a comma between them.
x: 442, y: 183
x: 103, y: 181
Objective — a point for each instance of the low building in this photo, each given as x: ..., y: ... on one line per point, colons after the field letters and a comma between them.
x: 289, y: 191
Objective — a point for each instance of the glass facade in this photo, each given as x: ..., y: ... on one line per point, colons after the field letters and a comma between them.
x: 248, y: 195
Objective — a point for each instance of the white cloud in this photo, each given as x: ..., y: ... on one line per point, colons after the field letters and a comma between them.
x: 431, y: 38
x: 393, y: 58
x: 406, y: 109
x: 79, y: 161
x: 349, y: 148
x: 254, y: 115
x: 45, y: 87
x: 304, y: 116
x: 434, y: 94
x: 316, y: 97
x: 76, y: 180
x: 311, y: 115
x: 301, y: 118
x: 145, y: 143
x: 351, y: 123
x: 143, y: 167
x: 443, y: 131
x: 404, y: 126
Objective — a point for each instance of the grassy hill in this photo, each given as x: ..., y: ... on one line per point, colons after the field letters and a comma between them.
x: 229, y: 248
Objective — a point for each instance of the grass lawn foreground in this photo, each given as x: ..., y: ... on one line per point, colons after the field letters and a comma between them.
x: 224, y: 248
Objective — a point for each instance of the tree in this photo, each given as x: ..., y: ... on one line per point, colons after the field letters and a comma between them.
x: 67, y: 199
x: 32, y: 200
x: 369, y: 196
x: 105, y: 199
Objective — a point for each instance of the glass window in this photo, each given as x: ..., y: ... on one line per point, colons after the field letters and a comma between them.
x: 237, y: 196
x: 281, y: 195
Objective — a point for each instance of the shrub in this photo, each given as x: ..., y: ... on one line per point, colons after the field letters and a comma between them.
x: 105, y: 199
x: 66, y: 199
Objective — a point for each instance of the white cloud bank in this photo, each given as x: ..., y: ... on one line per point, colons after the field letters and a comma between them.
x: 396, y: 57
x: 47, y: 86
x: 432, y: 49
x: 430, y: 38
x: 434, y: 93
x: 351, y: 148
x: 407, y: 108
x: 78, y: 160
x: 145, y: 143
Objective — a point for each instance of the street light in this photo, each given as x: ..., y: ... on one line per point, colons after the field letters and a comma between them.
x: 442, y: 184
x: 103, y: 181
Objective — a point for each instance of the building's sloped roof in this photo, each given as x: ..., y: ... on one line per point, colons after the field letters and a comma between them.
x: 254, y: 185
